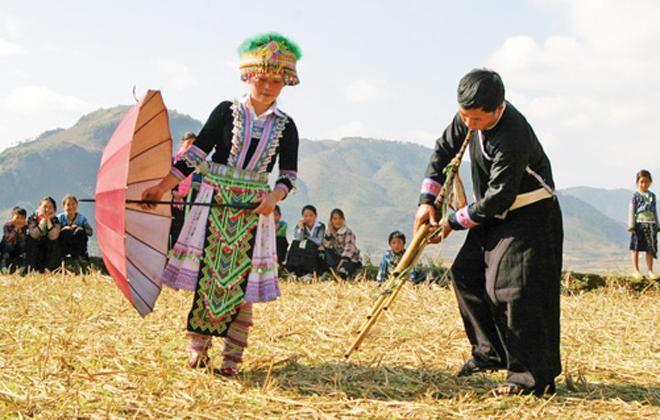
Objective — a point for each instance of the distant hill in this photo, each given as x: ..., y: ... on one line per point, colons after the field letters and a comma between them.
x: 375, y: 182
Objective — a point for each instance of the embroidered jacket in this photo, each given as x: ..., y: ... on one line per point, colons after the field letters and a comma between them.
x: 343, y: 242
x: 255, y: 142
x: 499, y: 159
x: 389, y: 263
x: 315, y: 234
x: 642, y: 209
x: 79, y: 220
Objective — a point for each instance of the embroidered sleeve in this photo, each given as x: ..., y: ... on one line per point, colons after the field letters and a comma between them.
x: 445, y: 149
x: 288, y: 159
x: 383, y: 269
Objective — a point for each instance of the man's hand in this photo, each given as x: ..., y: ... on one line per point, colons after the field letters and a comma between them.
x: 425, y: 212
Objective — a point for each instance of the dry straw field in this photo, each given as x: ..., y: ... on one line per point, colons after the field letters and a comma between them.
x: 70, y: 346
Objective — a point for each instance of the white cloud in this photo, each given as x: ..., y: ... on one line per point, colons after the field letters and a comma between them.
x: 29, y: 110
x: 175, y: 74
x: 30, y: 100
x: 365, y: 91
x: 8, y: 49
x: 591, y: 92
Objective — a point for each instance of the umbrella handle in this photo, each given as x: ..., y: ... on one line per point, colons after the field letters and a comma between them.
x: 234, y: 204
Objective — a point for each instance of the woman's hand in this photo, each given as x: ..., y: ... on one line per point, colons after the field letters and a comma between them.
x: 154, y: 193
x: 268, y: 202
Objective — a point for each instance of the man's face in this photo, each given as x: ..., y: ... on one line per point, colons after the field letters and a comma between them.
x: 478, y: 119
x: 18, y: 220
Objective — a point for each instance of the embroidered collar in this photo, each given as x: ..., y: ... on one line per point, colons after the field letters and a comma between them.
x: 273, y: 109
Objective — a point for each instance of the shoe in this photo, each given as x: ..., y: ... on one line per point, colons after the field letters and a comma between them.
x: 637, y: 276
x: 199, y: 361
x: 472, y: 366
x: 306, y: 277
x: 325, y: 277
x: 651, y: 276
x: 229, y: 371
x: 510, y: 388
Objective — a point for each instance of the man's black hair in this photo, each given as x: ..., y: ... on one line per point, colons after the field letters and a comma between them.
x: 481, y: 89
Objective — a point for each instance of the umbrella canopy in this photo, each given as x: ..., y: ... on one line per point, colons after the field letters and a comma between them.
x: 133, y: 240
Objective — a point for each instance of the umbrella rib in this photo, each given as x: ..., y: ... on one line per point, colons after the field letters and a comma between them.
x: 148, y: 121
x: 151, y: 147
x: 142, y: 272
x: 145, y: 244
x: 151, y: 308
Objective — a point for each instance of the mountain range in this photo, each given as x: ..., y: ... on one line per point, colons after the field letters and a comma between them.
x: 375, y: 182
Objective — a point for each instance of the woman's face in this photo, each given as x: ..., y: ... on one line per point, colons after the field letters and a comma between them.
x: 265, y: 89
x: 46, y: 208
x: 277, y: 216
x: 337, y: 221
x: 309, y: 218
x: 397, y: 245
x: 644, y: 183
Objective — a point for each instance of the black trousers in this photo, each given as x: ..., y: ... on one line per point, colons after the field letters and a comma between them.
x: 73, y: 242
x: 43, y: 254
x: 507, y: 283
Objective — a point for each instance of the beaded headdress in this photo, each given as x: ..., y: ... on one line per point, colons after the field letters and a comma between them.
x: 269, y: 54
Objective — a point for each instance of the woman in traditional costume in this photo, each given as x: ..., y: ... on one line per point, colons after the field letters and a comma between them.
x: 227, y: 255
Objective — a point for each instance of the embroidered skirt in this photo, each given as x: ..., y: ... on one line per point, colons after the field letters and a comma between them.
x: 227, y: 252
x: 645, y: 239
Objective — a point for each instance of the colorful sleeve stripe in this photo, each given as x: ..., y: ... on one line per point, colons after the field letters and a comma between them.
x: 463, y: 218
x: 431, y: 187
x: 177, y: 173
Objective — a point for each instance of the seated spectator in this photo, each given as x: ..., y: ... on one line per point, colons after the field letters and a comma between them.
x: 75, y: 229
x: 14, y: 241
x: 339, y: 249
x: 282, y: 243
x: 302, y: 259
x: 43, y: 251
x: 397, y: 241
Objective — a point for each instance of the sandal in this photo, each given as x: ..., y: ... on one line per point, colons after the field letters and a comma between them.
x: 199, y: 361
x: 229, y: 371
x: 510, y: 388
x: 472, y: 366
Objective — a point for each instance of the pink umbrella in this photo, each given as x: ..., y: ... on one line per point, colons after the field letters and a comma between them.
x: 133, y: 240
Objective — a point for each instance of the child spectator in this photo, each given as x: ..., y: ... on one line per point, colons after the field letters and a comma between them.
x: 43, y: 251
x: 397, y: 241
x: 303, y: 257
x: 75, y: 229
x: 14, y: 241
x: 280, y: 235
x: 643, y: 224
x: 340, y: 251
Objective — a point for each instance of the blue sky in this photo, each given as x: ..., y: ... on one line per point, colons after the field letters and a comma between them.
x: 583, y: 72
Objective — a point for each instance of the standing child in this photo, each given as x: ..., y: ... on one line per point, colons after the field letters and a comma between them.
x: 14, y: 241
x: 234, y: 248
x: 43, y: 251
x: 397, y: 242
x: 340, y: 251
x: 281, y: 241
x: 303, y: 257
x: 75, y: 229
x: 643, y: 224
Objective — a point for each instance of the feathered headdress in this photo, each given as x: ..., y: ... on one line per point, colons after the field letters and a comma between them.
x: 269, y: 54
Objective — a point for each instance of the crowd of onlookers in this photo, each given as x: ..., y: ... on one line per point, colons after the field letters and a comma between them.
x: 41, y: 241
x: 330, y: 250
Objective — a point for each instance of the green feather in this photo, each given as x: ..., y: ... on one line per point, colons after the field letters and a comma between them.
x: 253, y: 43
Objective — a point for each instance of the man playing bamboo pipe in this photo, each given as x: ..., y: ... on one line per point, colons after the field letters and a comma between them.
x: 507, y: 274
